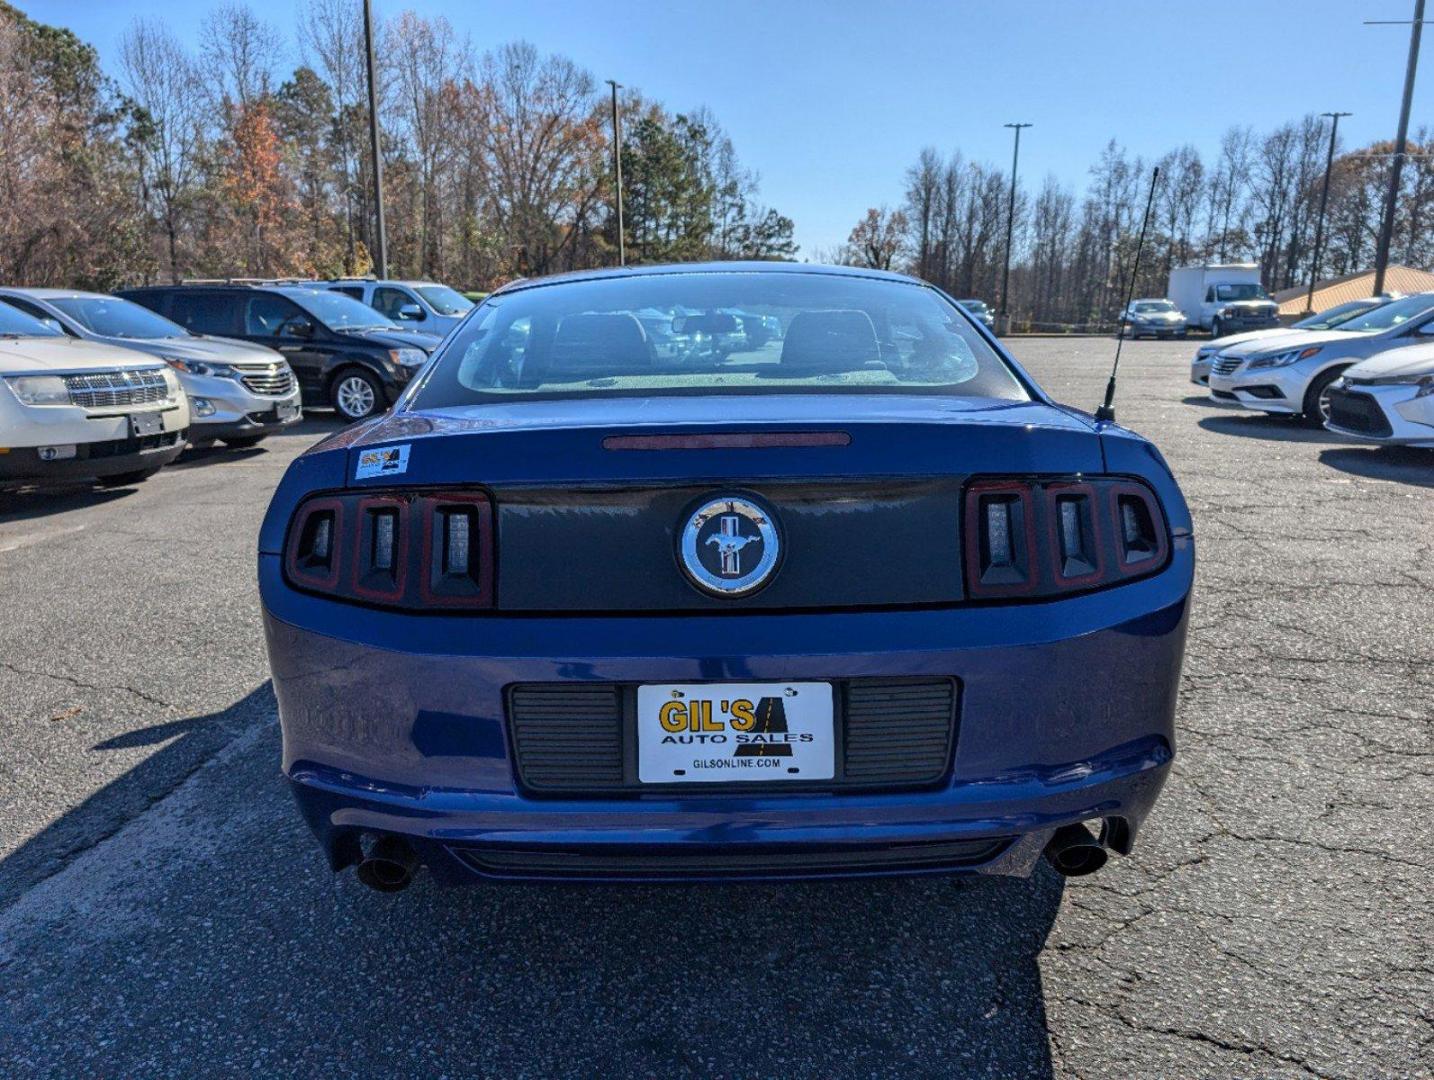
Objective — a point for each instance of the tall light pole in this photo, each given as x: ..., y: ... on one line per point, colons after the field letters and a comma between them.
x: 1401, y: 140
x: 1323, y: 202
x: 1010, y: 227
x: 617, y: 172
x: 381, y: 265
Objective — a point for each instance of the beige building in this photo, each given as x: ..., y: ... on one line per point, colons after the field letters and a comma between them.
x: 1328, y: 293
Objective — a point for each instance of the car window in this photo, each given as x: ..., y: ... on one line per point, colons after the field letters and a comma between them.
x: 729, y: 332
x: 336, y: 311
x: 390, y: 301
x: 1389, y: 316
x: 268, y: 315
x: 356, y: 291
x: 1332, y: 317
x: 15, y: 323
x: 37, y: 312
x: 113, y: 317
x: 444, y: 300
x: 203, y: 312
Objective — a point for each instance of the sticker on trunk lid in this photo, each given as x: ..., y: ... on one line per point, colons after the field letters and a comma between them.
x: 384, y: 461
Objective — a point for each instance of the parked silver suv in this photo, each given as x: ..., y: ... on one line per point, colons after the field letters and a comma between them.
x: 238, y: 392
x: 418, y: 305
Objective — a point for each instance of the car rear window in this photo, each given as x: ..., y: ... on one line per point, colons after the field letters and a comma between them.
x: 716, y: 332
x: 203, y: 312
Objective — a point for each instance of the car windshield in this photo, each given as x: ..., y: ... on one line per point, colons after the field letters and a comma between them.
x: 14, y: 323
x: 738, y: 332
x: 1151, y: 307
x: 1388, y: 316
x: 974, y: 305
x: 339, y: 312
x: 444, y: 300
x: 1240, y: 292
x: 110, y: 316
x: 1329, y: 318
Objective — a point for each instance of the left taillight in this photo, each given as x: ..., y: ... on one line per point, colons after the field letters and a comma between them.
x: 419, y: 550
x: 1032, y: 537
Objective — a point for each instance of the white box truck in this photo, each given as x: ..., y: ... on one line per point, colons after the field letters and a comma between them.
x: 1224, y: 299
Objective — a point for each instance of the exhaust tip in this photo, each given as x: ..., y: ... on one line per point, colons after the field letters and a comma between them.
x: 1074, y: 852
x: 389, y: 865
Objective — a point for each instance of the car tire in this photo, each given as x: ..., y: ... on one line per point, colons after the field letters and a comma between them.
x: 243, y: 442
x: 1215, y: 328
x: 1316, y: 404
x: 127, y: 479
x: 355, y: 394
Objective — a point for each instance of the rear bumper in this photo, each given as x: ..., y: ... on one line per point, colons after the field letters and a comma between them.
x: 395, y: 723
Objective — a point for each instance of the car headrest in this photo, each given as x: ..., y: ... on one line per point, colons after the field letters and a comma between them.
x: 830, y: 341
x: 599, y: 343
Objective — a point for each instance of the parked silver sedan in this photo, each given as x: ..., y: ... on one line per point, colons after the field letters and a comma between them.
x: 1327, y: 319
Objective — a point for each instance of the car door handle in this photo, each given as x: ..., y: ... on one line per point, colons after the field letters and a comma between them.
x: 290, y: 348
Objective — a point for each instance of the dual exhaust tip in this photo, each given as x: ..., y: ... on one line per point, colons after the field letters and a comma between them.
x: 1075, y: 852
x: 388, y: 866
x: 390, y: 863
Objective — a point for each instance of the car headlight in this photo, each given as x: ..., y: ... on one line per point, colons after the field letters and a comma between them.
x: 1399, y: 380
x: 407, y: 357
x: 171, y: 382
x: 39, y: 389
x: 1284, y: 359
x: 200, y: 367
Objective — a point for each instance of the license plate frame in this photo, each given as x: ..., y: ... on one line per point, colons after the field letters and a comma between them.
x: 760, y: 732
x: 142, y: 424
x: 284, y: 413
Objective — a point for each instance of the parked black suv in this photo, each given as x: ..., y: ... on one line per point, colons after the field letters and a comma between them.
x: 344, y: 353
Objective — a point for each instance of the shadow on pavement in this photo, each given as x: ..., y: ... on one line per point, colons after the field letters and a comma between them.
x: 1263, y: 426
x: 1204, y: 400
x: 1397, y: 464
x: 194, y: 740
x: 221, y: 896
x: 37, y: 502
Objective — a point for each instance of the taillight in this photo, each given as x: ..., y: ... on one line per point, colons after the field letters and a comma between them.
x: 1030, y: 537
x: 396, y: 549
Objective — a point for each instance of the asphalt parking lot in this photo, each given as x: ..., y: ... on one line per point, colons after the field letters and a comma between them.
x: 163, y: 912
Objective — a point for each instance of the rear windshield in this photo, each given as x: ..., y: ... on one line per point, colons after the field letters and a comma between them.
x: 705, y: 333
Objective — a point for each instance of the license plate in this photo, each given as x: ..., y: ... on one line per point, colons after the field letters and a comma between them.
x: 286, y: 412
x: 716, y: 732
x: 142, y: 424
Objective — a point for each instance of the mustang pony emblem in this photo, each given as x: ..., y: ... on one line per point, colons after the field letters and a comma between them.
x: 730, y: 543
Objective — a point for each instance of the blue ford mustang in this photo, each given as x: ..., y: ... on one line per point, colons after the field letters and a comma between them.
x: 725, y: 571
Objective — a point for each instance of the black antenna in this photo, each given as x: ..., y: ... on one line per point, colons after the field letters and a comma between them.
x: 1107, y: 411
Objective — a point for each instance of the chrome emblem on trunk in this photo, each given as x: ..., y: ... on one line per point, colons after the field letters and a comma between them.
x: 729, y: 546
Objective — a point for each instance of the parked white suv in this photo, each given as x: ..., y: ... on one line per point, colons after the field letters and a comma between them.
x: 418, y: 305
x: 238, y: 392
x: 75, y: 409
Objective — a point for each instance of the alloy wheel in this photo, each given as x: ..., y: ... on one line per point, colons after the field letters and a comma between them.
x: 354, y: 397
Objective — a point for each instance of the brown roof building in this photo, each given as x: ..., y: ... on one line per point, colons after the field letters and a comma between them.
x: 1357, y: 286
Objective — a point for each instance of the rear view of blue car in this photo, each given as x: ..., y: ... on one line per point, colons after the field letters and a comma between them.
x: 853, y: 597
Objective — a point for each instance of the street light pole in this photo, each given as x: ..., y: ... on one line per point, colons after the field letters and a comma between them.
x: 1323, y: 202
x: 617, y: 171
x: 381, y: 265
x: 1010, y: 227
x: 1386, y: 230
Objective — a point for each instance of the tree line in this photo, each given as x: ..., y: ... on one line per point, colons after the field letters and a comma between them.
x: 216, y: 161
x: 1257, y: 200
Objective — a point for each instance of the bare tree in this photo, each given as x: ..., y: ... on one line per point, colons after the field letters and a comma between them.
x: 331, y: 40
x: 239, y: 53
x: 161, y: 78
x: 879, y: 238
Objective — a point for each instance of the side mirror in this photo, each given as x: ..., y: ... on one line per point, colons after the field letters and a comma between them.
x: 411, y: 313
x: 299, y: 328
x: 679, y: 324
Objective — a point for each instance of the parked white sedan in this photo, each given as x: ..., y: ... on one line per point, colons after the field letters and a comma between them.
x: 1291, y: 374
x: 1327, y: 319
x: 1388, y: 399
x: 74, y: 409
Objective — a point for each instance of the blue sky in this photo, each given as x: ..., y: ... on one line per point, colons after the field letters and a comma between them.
x: 830, y: 100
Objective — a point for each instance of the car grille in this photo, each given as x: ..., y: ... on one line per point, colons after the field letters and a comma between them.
x: 1358, y: 412
x: 726, y: 860
x: 116, y: 389
x: 572, y: 738
x: 1224, y: 365
x: 269, y: 379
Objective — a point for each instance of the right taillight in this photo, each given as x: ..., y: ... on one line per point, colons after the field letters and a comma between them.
x: 395, y: 549
x: 1034, y: 537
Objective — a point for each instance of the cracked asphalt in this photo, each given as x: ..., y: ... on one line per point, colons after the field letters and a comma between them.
x: 164, y: 913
